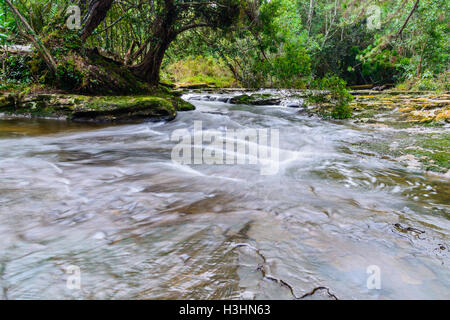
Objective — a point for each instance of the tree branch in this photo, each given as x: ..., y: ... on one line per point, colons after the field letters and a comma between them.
x: 95, y: 15
x: 32, y: 36
x: 407, y: 19
x: 189, y: 4
x: 192, y: 26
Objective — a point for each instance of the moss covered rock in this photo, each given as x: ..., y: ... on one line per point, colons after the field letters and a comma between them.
x: 181, y: 105
x: 427, y: 108
x: 88, y: 108
x: 256, y: 99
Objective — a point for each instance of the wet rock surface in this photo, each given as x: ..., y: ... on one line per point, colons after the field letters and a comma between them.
x: 92, y: 108
x: 256, y: 99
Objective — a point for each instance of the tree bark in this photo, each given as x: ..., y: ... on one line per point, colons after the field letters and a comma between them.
x: 310, y: 14
x: 32, y: 36
x: 148, y: 69
x: 95, y: 14
x: 161, y: 36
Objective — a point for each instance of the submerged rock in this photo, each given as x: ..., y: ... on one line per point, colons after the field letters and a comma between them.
x: 94, y: 108
x: 295, y: 104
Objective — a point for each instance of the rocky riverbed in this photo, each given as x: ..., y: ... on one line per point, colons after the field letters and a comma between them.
x: 93, y: 108
x: 109, y: 199
x: 422, y: 118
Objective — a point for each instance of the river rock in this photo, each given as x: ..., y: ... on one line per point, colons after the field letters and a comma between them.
x: 89, y: 108
x: 256, y: 99
x: 295, y: 104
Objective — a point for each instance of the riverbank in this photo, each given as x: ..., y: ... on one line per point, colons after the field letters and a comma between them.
x: 421, y: 118
x: 160, y: 105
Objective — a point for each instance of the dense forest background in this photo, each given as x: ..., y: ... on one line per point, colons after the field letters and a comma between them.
x: 253, y: 43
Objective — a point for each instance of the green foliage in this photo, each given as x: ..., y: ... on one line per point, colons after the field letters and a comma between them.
x: 277, y: 43
x: 62, y: 41
x: 428, y: 82
x: 16, y: 69
x: 381, y: 68
x: 423, y: 44
x: 200, y: 69
x: 7, y: 25
x: 68, y: 77
x: 341, y: 111
x: 426, y: 85
x: 338, y: 93
x: 292, y: 67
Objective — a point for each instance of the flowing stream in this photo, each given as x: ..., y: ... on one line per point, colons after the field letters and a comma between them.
x: 110, y: 201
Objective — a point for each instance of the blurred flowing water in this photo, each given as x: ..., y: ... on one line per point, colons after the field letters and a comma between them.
x: 109, y: 200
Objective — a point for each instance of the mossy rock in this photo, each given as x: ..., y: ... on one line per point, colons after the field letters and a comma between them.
x: 256, y: 99
x: 88, y: 108
x: 7, y: 100
x: 181, y: 105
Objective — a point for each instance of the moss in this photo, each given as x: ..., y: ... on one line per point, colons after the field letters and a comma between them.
x: 242, y: 99
x: 432, y: 151
x: 88, y: 108
x: 182, y: 105
x: 174, y: 97
x: 124, y: 109
x: 437, y: 161
x: 256, y: 99
x: 366, y: 114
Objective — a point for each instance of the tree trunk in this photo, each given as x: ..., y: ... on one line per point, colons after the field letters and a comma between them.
x: 95, y: 14
x: 32, y: 36
x: 409, y: 16
x: 310, y: 14
x: 419, y: 67
x: 148, y: 69
x: 160, y: 38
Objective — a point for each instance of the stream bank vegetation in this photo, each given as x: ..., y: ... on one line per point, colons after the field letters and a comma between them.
x: 84, y: 62
x: 140, y: 48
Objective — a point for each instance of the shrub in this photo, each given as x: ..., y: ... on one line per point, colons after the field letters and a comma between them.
x: 16, y: 69
x: 68, y: 76
x: 428, y: 82
x: 341, y: 111
x: 426, y: 85
x: 292, y: 67
x: 338, y: 93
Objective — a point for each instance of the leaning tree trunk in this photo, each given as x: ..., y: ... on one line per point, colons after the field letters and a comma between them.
x: 33, y: 37
x: 96, y: 13
x: 161, y: 37
x: 148, y: 69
